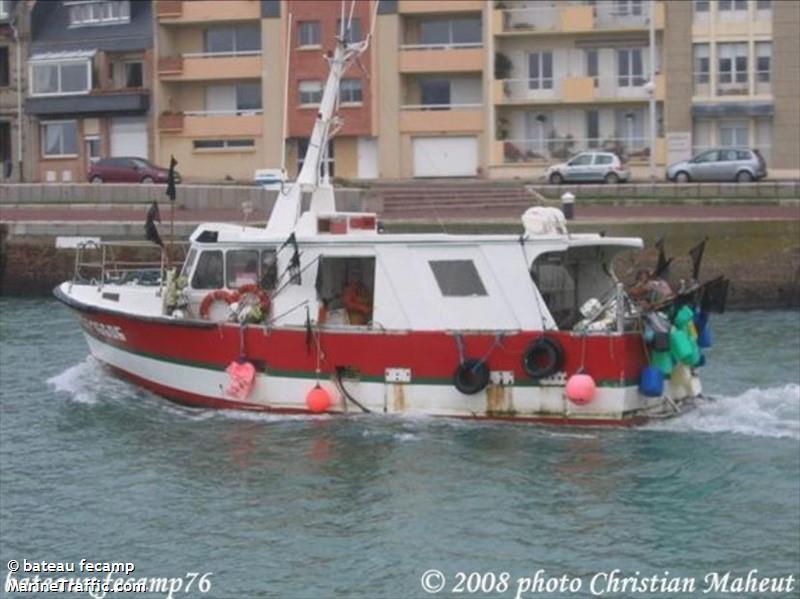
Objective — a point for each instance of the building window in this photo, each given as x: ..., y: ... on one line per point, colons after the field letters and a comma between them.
x: 702, y: 67
x: 700, y: 6
x: 5, y: 69
x: 310, y: 93
x: 353, y: 34
x: 732, y: 59
x: 763, y: 4
x: 308, y: 34
x: 451, y: 32
x: 626, y: 8
x: 82, y: 14
x: 327, y: 158
x: 222, y: 144
x: 734, y: 134
x: 4, y: 9
x: 59, y: 138
x: 242, y: 39
x: 92, y: 144
x: 731, y: 5
x: 127, y: 74
x: 434, y: 92
x: 61, y: 78
x: 540, y: 70
x: 593, y: 128
x: 350, y: 91
x: 233, y: 99
x: 630, y: 68
x: 592, y: 66
x: 457, y: 278
x: 763, y: 61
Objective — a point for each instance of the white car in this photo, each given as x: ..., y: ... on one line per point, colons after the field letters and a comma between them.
x: 270, y: 178
x: 589, y: 166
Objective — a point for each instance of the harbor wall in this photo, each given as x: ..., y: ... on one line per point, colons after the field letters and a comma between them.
x: 761, y: 257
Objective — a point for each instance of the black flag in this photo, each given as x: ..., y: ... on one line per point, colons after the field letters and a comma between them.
x: 171, y: 193
x: 150, y: 229
x: 696, y: 254
x: 309, y: 334
x: 663, y: 263
x: 294, y: 262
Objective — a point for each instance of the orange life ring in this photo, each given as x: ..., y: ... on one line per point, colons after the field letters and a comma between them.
x: 253, y: 289
x: 214, y: 296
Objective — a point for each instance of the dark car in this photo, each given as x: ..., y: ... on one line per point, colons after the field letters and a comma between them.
x: 128, y: 170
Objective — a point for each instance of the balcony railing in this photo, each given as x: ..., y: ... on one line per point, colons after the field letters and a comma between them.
x: 170, y: 65
x: 169, y: 8
x: 569, y: 17
x: 575, y: 89
x: 245, y: 112
x: 453, y: 46
x: 469, y: 106
x: 631, y: 149
x: 170, y: 121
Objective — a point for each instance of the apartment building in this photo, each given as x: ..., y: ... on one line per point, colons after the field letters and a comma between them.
x: 14, y: 125
x: 448, y: 88
x: 90, y: 67
x: 738, y: 67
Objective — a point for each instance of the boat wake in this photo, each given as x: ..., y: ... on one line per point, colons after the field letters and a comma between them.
x: 88, y: 382
x: 773, y: 412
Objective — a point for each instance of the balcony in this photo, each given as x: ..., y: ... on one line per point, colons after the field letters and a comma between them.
x: 203, y: 66
x: 632, y: 150
x: 575, y: 90
x: 437, y: 118
x: 97, y: 102
x: 564, y: 18
x: 418, y: 7
x: 214, y: 124
x: 445, y: 58
x: 189, y: 11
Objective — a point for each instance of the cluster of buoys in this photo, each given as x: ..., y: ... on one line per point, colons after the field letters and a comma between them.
x: 688, y: 334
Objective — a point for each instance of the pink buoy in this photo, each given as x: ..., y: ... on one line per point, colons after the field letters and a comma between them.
x: 580, y: 389
x: 318, y: 400
x: 241, y: 376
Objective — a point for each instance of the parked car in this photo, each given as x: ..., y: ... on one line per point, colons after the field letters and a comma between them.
x: 128, y: 170
x: 589, y: 166
x: 720, y: 164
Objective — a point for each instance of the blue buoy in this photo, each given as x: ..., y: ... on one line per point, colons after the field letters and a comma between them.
x: 651, y: 382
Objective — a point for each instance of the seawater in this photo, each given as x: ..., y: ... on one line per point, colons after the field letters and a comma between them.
x: 92, y: 467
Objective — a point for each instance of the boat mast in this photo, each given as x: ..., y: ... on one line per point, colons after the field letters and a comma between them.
x: 288, y: 204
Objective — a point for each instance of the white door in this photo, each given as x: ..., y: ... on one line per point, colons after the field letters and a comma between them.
x: 367, y: 158
x: 129, y: 136
x: 445, y: 156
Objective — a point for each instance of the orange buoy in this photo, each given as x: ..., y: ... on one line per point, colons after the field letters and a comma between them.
x: 580, y: 389
x: 318, y: 400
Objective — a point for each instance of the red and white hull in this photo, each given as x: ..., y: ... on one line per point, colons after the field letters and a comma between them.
x: 394, y: 373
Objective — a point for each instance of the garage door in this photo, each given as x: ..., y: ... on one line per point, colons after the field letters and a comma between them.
x: 445, y: 156
x: 129, y: 136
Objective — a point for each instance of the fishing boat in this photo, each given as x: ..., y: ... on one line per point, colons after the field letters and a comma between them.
x: 322, y: 312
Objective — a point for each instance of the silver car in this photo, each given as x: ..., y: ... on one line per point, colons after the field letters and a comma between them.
x: 720, y: 164
x: 589, y: 166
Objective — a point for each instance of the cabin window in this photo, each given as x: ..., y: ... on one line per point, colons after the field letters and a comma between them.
x: 345, y: 290
x: 457, y: 278
x: 241, y: 267
x: 208, y: 274
x: 269, y: 269
x: 189, y: 263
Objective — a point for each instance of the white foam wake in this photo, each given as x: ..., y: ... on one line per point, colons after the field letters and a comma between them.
x: 81, y: 382
x: 772, y: 412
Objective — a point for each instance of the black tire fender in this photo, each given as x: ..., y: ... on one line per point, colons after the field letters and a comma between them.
x: 471, y: 376
x: 543, y: 358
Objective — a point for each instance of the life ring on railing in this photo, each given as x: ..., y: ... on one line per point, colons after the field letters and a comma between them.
x: 218, y: 295
x: 253, y: 289
x: 471, y: 376
x: 543, y: 358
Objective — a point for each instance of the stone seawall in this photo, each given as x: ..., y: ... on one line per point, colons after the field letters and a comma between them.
x: 761, y: 257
